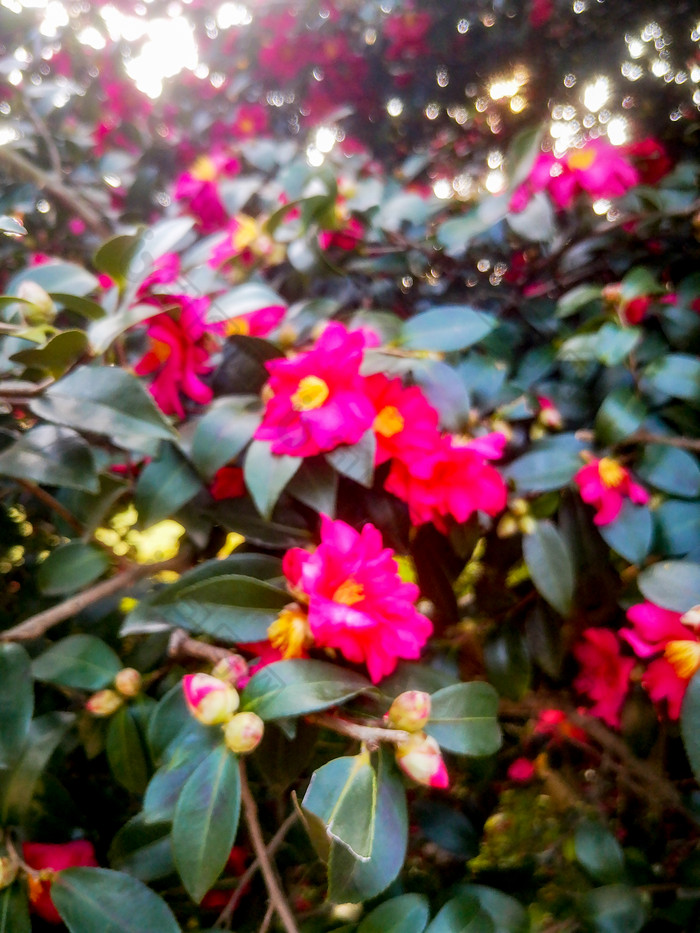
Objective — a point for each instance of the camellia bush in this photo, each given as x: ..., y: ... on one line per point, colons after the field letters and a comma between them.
x: 349, y: 481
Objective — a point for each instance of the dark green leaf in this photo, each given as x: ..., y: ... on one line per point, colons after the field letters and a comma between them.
x: 577, y: 298
x: 343, y: 795
x: 614, y: 343
x: 84, y: 307
x: 70, y: 567
x: 14, y: 910
x: 81, y: 661
x: 550, y: 464
x: 188, y: 751
x: 551, y: 566
x: 407, y: 913
x: 98, y: 900
x: 620, y: 415
x: 678, y: 525
x: 143, y: 850
x: 266, y: 474
x: 675, y: 374
x: 690, y: 724
x: 52, y: 456
x: 16, y: 701
x: 673, y: 584
x: 316, y: 485
x: 292, y: 688
x: 599, y: 852
x: 447, y: 328
x: 356, y: 461
x: 614, y: 908
x: 508, y: 915
x: 631, y: 532
x: 164, y: 486
x: 57, y: 355
x: 462, y: 914
x: 113, y: 257
x: 126, y: 750
x: 463, y: 719
x: 507, y: 661
x: 670, y: 470
x: 223, y: 431
x: 206, y: 821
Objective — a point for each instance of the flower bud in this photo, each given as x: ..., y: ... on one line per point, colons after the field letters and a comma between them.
x: 128, y: 682
x: 410, y: 711
x: 8, y: 871
x: 420, y: 758
x: 104, y: 703
x: 691, y: 618
x: 210, y: 700
x: 244, y: 732
x: 41, y: 309
x: 230, y: 669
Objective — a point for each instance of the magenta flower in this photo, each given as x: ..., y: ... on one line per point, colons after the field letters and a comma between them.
x: 198, y: 189
x: 658, y: 630
x: 178, y: 355
x: 605, y: 484
x: 250, y: 121
x: 317, y: 398
x: 405, y: 424
x: 357, y: 602
x: 604, y: 676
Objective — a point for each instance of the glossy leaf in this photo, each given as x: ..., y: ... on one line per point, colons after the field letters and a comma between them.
x: 446, y: 328
x: 14, y: 910
x: 164, y: 486
x: 462, y: 914
x: 463, y: 719
x: 631, y: 533
x: 550, y: 464
x: 316, y: 485
x: 356, y: 461
x: 677, y: 375
x: 126, y: 750
x: 266, y: 474
x: 223, y: 431
x: 343, y: 795
x: 70, y: 567
x: 83, y: 662
x: 672, y: 584
x: 57, y: 355
x: 143, y: 850
x: 298, y: 686
x: 99, y: 900
x: 508, y: 914
x: 678, y: 527
x: 507, y: 661
x: 206, y: 821
x: 407, y: 913
x: 671, y: 470
x: 550, y: 564
x: 51, y: 456
x: 690, y: 717
x: 114, y: 255
x: 55, y: 276
x: 620, y: 415
x: 16, y: 702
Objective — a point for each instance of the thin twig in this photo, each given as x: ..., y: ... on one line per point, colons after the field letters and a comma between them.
x: 36, y: 625
x: 42, y: 130
x: 273, y: 845
x: 646, y: 437
x: 182, y: 645
x: 52, y: 503
x: 250, y: 814
x: 372, y: 736
x: 265, y: 925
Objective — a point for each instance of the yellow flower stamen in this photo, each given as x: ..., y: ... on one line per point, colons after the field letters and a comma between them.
x: 237, y: 325
x: 311, y: 393
x: 349, y: 592
x: 389, y: 421
x: 160, y: 350
x: 290, y: 633
x: 204, y: 169
x: 611, y: 473
x: 246, y: 232
x: 581, y: 159
x: 684, y: 657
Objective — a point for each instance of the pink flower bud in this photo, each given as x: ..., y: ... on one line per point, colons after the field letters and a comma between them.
x: 521, y: 770
x: 410, y: 711
x: 210, y: 700
x: 244, y: 732
x: 128, y: 682
x: 419, y: 757
x: 104, y: 703
x: 231, y: 669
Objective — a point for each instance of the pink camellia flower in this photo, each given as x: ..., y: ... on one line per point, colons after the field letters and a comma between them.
x: 658, y: 630
x: 420, y: 758
x: 604, y: 676
x: 250, y: 121
x: 258, y: 323
x: 228, y: 483
x: 49, y: 859
x: 178, y: 355
x: 453, y: 479
x: 605, y: 484
x: 198, y: 189
x: 346, y: 238
x: 405, y: 424
x: 317, y: 399
x: 522, y: 770
x: 357, y: 602
x: 406, y: 34
x: 165, y: 271
x: 598, y: 168
x: 210, y: 700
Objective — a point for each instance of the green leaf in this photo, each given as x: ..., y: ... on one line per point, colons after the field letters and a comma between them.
x: 673, y: 584
x: 631, y: 533
x: 463, y: 719
x: 599, y: 852
x: 188, y: 751
x: 103, y: 400
x: 620, y: 415
x: 57, y: 355
x: 462, y: 914
x: 615, y: 343
x: 343, y: 794
x: 670, y: 470
x: 690, y: 724
x: 70, y: 567
x: 508, y: 915
x: 104, y: 331
x: 614, y: 908
x: 16, y: 701
x: 143, y: 850
x: 231, y: 608
x: 407, y: 913
x: 356, y: 461
x: 266, y: 474
x: 45, y: 733
x: 114, y: 255
x: 353, y: 880
x: 316, y: 485
x: 550, y: 464
x: 56, y: 276
x: 80, y: 661
x: 675, y: 374
x: 637, y: 282
x: 51, y: 456
x: 99, y: 900
x: 577, y: 298
x: 164, y: 486
x: 251, y: 296
x: 551, y: 565
x: 447, y: 328
x: 14, y: 910
x: 298, y: 686
x: 206, y: 821
x: 85, y: 307
x: 507, y: 661
x: 126, y: 751
x: 678, y: 527
x: 223, y: 431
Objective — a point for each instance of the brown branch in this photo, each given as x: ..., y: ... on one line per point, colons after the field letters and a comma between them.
x: 38, y: 624
x: 372, y: 736
x: 16, y: 389
x: 182, y: 645
x: 16, y: 163
x: 273, y: 845
x: 646, y: 437
x: 274, y: 889
x: 52, y: 503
